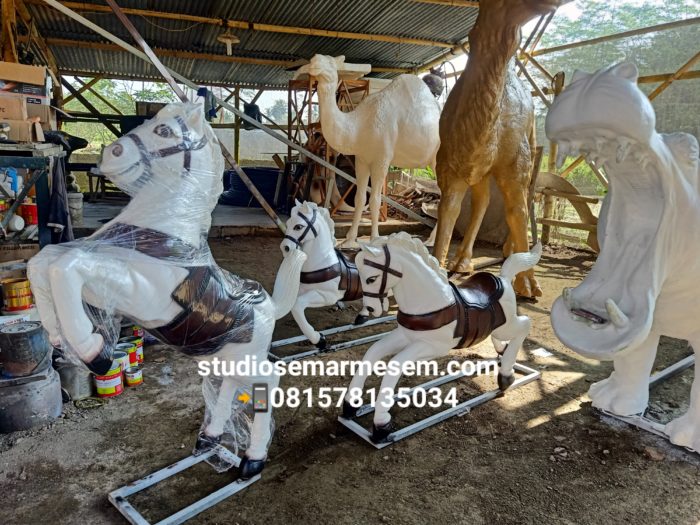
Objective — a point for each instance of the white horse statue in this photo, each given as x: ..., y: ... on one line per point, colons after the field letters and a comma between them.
x: 327, y: 276
x: 152, y: 264
x: 434, y: 316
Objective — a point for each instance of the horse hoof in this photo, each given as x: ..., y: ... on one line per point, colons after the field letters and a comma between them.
x: 250, y: 467
x: 349, y: 411
x: 322, y: 342
x: 205, y: 442
x: 100, y: 365
x: 504, y: 382
x: 361, y: 319
x: 381, y: 433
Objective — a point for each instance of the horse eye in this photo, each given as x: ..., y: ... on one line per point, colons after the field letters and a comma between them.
x: 297, y: 227
x: 163, y: 130
x: 370, y: 280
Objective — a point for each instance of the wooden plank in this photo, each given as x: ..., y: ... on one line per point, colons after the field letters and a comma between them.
x: 271, y: 28
x: 590, y: 199
x: 572, y: 225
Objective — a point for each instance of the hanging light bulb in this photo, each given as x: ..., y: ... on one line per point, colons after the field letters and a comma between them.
x: 229, y: 39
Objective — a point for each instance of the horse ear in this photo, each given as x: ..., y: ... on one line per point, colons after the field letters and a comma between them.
x: 626, y: 70
x: 372, y: 250
x: 296, y: 202
x: 194, y: 116
x: 340, y: 60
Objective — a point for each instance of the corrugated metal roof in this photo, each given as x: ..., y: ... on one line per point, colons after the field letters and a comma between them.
x: 402, y: 18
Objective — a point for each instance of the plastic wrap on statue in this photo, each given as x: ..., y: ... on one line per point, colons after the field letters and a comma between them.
x: 152, y: 264
x: 644, y: 283
x: 434, y: 315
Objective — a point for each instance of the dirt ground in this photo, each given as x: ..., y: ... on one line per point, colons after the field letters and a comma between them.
x: 537, y: 455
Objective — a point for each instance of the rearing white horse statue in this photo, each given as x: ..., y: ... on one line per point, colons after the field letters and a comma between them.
x: 327, y: 275
x: 434, y: 316
x: 153, y: 265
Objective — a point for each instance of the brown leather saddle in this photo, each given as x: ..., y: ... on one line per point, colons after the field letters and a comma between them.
x: 349, y: 276
x: 476, y: 310
x: 217, y: 305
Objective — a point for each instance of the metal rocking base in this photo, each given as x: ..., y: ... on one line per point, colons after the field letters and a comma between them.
x: 118, y: 497
x: 463, y: 408
x: 645, y: 423
x: 332, y: 348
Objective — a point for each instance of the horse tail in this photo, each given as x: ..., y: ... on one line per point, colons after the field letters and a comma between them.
x: 521, y: 261
x: 286, y: 288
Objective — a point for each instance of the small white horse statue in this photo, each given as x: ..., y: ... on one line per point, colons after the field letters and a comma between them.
x: 327, y: 276
x: 435, y: 316
x: 152, y: 264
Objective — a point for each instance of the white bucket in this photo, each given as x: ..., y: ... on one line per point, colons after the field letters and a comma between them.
x: 75, y: 208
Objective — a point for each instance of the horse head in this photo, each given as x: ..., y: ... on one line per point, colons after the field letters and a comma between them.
x: 307, y: 222
x: 175, y: 151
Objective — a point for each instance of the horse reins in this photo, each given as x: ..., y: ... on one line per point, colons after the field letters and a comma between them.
x: 309, y: 228
x: 386, y: 270
x: 186, y: 146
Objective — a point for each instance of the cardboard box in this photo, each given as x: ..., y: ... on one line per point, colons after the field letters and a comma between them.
x: 13, y: 107
x: 25, y: 80
x: 149, y: 109
x: 45, y: 114
x: 25, y: 131
x: 17, y: 252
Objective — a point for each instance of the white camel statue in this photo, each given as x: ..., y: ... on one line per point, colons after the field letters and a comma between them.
x: 398, y: 126
x: 153, y: 265
x: 327, y: 275
x: 434, y: 315
x: 645, y: 281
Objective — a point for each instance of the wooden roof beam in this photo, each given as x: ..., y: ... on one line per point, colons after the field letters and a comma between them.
x: 103, y: 46
x: 452, y: 3
x: 252, y: 26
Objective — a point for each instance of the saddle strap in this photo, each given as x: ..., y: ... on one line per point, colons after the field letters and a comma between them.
x: 430, y: 320
x: 322, y: 275
x: 349, y: 278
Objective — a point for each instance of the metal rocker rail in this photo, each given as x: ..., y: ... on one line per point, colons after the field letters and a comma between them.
x: 465, y: 407
x: 646, y: 423
x: 332, y: 348
x: 118, y: 497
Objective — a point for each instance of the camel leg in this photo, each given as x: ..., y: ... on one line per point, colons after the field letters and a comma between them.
x: 378, y: 174
x: 516, y: 216
x: 448, y: 211
x: 685, y: 430
x: 362, y: 176
x: 481, y: 195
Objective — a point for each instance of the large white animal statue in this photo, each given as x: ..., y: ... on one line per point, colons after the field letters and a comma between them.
x: 645, y: 281
x: 328, y: 276
x: 152, y: 264
x: 397, y: 126
x: 434, y: 314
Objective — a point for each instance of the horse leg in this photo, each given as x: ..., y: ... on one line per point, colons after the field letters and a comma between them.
x: 416, y: 351
x: 378, y: 175
x: 260, y: 435
x: 310, y: 299
x: 685, y: 430
x: 481, y: 195
x: 362, y: 178
x: 66, y: 279
x: 38, y: 274
x: 387, y: 345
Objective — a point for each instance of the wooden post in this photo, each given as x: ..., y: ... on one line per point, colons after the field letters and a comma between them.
x: 547, y: 212
x: 8, y: 46
x: 237, y: 132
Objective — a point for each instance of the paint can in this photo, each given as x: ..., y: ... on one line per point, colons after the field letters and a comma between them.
x: 134, y: 376
x: 16, y: 294
x: 110, y: 384
x: 137, y: 331
x: 138, y: 342
x: 28, y: 211
x: 130, y: 349
x: 123, y: 358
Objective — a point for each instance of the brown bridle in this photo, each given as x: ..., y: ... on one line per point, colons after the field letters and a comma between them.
x: 386, y: 270
x: 309, y: 228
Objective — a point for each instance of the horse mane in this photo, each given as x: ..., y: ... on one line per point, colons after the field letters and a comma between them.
x: 414, y: 245
x: 307, y: 207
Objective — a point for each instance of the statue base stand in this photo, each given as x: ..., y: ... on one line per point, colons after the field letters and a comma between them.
x: 118, y: 497
x: 648, y: 424
x: 528, y: 375
x: 332, y: 348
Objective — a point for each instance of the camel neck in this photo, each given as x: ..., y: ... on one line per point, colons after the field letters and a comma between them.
x: 335, y: 124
